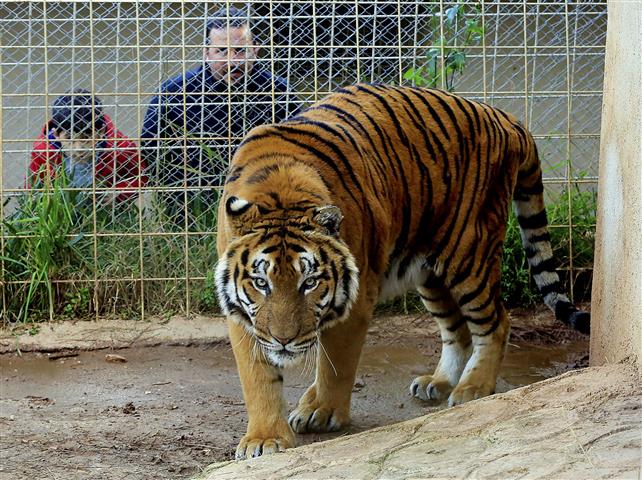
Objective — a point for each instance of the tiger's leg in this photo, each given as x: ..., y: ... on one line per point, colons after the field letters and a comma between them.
x: 325, y: 406
x: 455, y: 346
x: 267, y: 429
x: 489, y: 327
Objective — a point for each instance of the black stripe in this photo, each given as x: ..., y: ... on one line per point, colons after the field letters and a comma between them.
x: 524, y: 194
x: 468, y: 297
x: 457, y: 325
x: 530, y: 170
x: 346, y: 279
x: 234, y: 174
x: 277, y: 200
x: 482, y: 320
x: 548, y: 265
x: 244, y: 257
x: 323, y: 255
x: 335, y: 277
x: 446, y: 314
x: 397, y: 166
x: 535, y: 189
x: 532, y: 222
x: 431, y: 299
x: 464, y: 272
x: 463, y: 157
x: 421, y: 127
x: 474, y: 195
x: 404, y: 264
x: 491, y: 298
x: 433, y: 282
x: 327, y: 160
x: 542, y: 237
x: 263, y: 173
x: 433, y: 113
x: 225, y: 276
x: 332, y: 146
x: 492, y: 328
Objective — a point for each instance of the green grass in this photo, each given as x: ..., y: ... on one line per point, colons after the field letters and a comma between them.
x: 49, y: 242
x: 50, y: 248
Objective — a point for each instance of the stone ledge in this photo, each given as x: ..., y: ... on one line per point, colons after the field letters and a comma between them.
x: 115, y: 334
x: 583, y: 424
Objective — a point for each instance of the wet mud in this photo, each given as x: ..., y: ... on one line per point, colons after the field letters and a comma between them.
x: 169, y: 411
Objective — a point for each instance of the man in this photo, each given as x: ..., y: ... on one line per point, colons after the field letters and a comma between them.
x: 192, y: 126
x: 81, y: 139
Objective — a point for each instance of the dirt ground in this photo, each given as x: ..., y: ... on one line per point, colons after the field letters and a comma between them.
x: 169, y: 411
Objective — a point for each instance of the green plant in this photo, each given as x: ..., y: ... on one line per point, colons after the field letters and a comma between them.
x: 516, y: 286
x: 42, y: 244
x: 207, y: 293
x: 50, y: 241
x: 76, y: 302
x: 33, y: 330
x: 459, y: 27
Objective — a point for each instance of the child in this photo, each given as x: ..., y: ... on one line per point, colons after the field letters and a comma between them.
x: 82, y: 139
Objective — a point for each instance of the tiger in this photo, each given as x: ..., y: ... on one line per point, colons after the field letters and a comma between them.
x: 367, y: 194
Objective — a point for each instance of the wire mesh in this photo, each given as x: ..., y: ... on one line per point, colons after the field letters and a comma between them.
x: 141, y: 240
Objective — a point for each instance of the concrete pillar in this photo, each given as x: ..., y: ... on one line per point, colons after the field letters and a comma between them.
x: 616, y: 311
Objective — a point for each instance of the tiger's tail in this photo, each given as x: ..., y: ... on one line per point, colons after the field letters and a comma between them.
x: 528, y: 200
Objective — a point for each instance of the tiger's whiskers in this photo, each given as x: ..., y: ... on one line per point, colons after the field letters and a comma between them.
x: 326, y: 354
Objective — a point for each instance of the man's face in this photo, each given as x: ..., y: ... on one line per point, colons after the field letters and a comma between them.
x: 230, y: 54
x: 79, y: 147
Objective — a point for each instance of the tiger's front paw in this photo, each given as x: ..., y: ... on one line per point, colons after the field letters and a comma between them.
x: 428, y: 387
x: 255, y: 444
x: 318, y: 419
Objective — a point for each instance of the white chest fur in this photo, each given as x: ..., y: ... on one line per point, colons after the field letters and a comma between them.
x: 415, y: 274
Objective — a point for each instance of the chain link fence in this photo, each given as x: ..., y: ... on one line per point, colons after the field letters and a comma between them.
x: 132, y: 239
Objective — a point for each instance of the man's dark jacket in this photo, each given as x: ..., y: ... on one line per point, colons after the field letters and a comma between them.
x: 195, y: 118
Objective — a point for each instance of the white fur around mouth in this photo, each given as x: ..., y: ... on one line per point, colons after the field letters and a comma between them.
x: 283, y: 358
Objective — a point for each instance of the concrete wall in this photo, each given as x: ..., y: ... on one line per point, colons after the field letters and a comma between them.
x: 617, y: 283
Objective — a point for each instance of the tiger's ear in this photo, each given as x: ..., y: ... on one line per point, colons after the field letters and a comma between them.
x: 329, y: 217
x: 239, y: 211
x: 235, y: 206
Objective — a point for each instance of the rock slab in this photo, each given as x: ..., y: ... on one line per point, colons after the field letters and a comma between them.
x: 583, y: 424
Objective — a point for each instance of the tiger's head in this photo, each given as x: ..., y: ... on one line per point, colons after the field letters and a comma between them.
x: 285, y: 279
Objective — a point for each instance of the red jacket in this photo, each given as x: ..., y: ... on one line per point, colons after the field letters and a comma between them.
x: 120, y: 157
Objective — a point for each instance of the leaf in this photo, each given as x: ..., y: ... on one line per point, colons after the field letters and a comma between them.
x: 451, y: 14
x: 433, y: 54
x: 458, y: 61
x: 474, y: 26
x: 410, y: 74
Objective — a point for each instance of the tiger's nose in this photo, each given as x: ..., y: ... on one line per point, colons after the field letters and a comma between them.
x: 283, y: 340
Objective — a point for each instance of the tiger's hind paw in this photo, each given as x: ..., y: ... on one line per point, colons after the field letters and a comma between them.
x: 466, y: 393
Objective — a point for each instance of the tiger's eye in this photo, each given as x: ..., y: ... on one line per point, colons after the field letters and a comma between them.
x: 260, y: 283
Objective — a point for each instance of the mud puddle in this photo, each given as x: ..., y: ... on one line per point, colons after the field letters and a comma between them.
x: 167, y: 412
